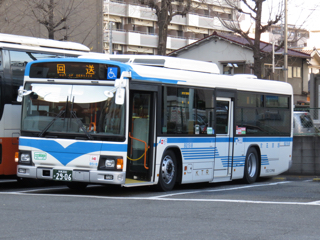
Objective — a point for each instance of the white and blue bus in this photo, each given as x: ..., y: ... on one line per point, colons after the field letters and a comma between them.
x: 150, y: 120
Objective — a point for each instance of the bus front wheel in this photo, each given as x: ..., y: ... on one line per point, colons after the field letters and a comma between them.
x: 168, y: 171
x: 251, y: 168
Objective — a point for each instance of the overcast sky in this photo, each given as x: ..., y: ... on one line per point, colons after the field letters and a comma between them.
x: 300, y: 12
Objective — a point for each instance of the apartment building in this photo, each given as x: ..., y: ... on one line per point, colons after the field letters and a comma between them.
x: 297, y: 37
x: 131, y: 27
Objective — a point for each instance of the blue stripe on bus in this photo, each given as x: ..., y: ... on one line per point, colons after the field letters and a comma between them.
x: 190, y: 140
x: 213, y: 153
x: 267, y: 139
x: 136, y: 76
x: 227, y: 139
x: 264, y: 160
x: 67, y: 154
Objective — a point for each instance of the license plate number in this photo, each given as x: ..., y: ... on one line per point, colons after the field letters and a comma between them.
x: 62, y: 175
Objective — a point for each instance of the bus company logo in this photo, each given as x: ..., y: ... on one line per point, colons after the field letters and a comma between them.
x: 40, y: 156
x: 94, y: 160
x: 61, y: 69
x: 163, y: 142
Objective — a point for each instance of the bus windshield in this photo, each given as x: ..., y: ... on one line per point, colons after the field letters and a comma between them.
x: 60, y: 109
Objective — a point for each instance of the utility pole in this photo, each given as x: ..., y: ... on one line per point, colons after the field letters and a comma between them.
x: 285, y: 52
x: 110, y: 37
x: 285, y: 69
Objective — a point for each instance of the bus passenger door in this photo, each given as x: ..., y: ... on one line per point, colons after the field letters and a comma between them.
x: 141, y: 137
x: 224, y: 139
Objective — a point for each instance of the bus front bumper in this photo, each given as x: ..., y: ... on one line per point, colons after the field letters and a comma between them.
x: 88, y: 176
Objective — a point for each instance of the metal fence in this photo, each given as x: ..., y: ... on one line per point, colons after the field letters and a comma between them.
x: 306, y: 121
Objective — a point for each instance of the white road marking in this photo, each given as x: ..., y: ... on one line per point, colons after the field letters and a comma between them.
x: 48, y: 189
x: 317, y: 203
x: 7, y: 181
x: 41, y: 189
x: 224, y: 189
x: 164, y: 197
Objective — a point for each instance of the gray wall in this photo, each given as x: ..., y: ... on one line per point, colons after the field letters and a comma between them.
x: 216, y: 51
x: 305, y: 156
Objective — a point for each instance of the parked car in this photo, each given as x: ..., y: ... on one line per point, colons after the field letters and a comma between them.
x: 302, y: 123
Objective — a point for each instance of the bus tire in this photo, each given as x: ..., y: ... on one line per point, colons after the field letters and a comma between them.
x: 77, y: 186
x: 251, y: 167
x: 168, y: 171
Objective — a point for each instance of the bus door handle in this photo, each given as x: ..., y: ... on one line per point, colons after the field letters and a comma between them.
x: 15, y: 138
x: 146, y: 147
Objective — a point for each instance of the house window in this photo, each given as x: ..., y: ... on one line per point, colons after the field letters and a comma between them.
x: 289, y: 72
x: 233, y: 68
x: 227, y: 69
x: 296, y: 72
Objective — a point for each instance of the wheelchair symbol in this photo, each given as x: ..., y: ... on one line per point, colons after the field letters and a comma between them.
x: 111, y: 74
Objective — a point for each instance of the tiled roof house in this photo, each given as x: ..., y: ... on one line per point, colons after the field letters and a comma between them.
x: 233, y: 55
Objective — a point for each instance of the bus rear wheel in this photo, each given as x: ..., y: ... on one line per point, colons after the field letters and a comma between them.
x: 168, y: 171
x: 251, y: 168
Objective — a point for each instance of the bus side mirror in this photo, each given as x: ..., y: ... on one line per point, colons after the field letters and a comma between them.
x: 120, y: 96
x: 22, y: 93
x: 120, y: 85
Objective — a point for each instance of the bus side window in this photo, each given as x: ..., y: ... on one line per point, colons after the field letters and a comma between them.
x: 18, y: 62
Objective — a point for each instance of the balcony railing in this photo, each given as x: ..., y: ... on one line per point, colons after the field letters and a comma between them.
x: 120, y: 36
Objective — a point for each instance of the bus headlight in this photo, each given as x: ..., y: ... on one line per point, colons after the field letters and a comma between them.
x: 25, y: 158
x: 113, y: 163
x: 109, y: 163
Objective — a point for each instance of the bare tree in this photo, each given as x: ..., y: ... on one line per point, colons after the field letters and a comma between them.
x: 253, y: 9
x: 165, y: 11
x: 11, y: 21
x: 54, y: 15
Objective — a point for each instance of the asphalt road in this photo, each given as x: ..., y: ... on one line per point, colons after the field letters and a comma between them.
x: 278, y: 208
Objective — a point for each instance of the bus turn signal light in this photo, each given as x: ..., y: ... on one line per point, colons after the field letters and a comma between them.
x: 119, y: 163
x: 16, y: 156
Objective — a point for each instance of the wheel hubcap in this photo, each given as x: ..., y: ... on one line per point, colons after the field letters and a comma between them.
x: 252, y: 165
x: 167, y: 170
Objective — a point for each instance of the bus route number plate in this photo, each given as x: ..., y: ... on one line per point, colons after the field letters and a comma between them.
x: 62, y: 175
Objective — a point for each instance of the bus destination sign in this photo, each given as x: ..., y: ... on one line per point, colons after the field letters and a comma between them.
x: 78, y: 70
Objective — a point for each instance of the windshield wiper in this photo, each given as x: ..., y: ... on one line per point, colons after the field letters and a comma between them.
x: 79, y: 122
x: 53, y: 120
x: 50, y: 123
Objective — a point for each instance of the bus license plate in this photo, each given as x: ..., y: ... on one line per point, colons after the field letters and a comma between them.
x: 62, y: 175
